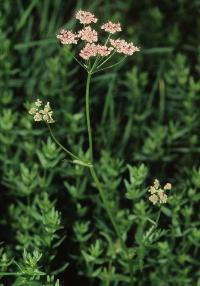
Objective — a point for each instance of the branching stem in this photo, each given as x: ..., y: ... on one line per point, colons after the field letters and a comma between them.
x: 61, y: 146
x: 94, y: 175
x: 119, y: 62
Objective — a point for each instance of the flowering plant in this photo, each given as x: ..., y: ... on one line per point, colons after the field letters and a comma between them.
x: 92, y: 48
x: 95, y: 57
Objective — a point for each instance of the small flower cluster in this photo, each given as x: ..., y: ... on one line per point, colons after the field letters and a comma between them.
x: 111, y: 28
x: 158, y: 194
x: 122, y: 47
x: 88, y: 34
x: 67, y: 37
x: 42, y: 112
x: 90, y: 37
x: 85, y: 17
x: 92, y: 50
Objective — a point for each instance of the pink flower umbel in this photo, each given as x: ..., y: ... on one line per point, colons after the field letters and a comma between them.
x: 111, y: 28
x: 122, y: 47
x: 88, y: 34
x: 90, y: 50
x: 85, y: 17
x: 103, y: 50
x: 67, y: 37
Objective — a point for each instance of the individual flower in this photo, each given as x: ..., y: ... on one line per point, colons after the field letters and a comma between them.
x: 67, y: 37
x: 43, y: 114
x: 85, y: 17
x: 33, y: 111
x: 167, y: 186
x: 156, y: 184
x: 154, y: 199
x: 158, y: 194
x: 152, y: 190
x: 103, y: 50
x: 88, y: 34
x: 90, y: 50
x: 162, y: 196
x: 123, y: 47
x: 37, y: 117
x: 38, y: 103
x: 47, y: 113
x: 111, y: 27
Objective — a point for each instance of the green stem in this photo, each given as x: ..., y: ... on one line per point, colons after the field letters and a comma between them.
x: 99, y: 58
x: 97, y: 182
x: 112, y: 219
x: 10, y: 274
x: 108, y: 58
x: 87, y: 102
x: 111, y: 65
x: 61, y: 146
x: 158, y: 217
x: 77, y: 60
x: 107, y: 39
x: 17, y: 274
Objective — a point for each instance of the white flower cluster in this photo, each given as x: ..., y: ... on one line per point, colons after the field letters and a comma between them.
x: 158, y: 194
x: 42, y: 112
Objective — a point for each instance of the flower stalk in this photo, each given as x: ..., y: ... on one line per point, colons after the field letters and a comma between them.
x: 97, y: 182
x: 87, y: 102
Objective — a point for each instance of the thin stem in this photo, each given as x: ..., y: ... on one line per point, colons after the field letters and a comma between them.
x: 107, y: 39
x: 106, y: 205
x: 11, y: 273
x: 95, y: 64
x: 61, y: 146
x: 77, y: 60
x: 155, y: 223
x: 111, y: 65
x: 18, y: 274
x: 112, y: 219
x: 87, y: 102
x: 98, y: 58
x: 112, y: 54
x: 96, y: 180
x: 158, y: 217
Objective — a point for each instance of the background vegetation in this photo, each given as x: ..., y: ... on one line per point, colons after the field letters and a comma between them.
x: 53, y: 228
